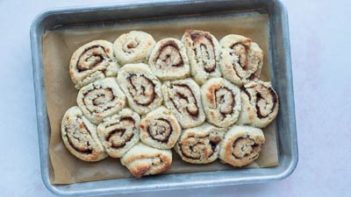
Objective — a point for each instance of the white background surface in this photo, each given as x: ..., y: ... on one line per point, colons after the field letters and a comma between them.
x: 320, y: 33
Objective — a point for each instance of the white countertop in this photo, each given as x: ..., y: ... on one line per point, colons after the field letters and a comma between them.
x: 320, y: 40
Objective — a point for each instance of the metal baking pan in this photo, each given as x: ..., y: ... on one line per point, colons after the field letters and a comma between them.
x: 282, y: 81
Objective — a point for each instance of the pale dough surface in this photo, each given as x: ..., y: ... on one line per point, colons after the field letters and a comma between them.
x: 133, y: 47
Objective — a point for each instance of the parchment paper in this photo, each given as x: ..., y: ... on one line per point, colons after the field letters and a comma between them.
x: 58, y: 47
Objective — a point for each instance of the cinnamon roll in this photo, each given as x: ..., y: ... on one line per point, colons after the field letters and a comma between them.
x: 160, y: 129
x: 100, y: 99
x: 118, y: 133
x: 168, y: 60
x: 260, y: 104
x: 142, y: 160
x: 241, y: 145
x: 142, y: 88
x: 203, y: 52
x: 133, y: 47
x: 93, y: 61
x: 221, y: 101
x: 182, y: 97
x: 200, y: 145
x: 241, y: 59
x: 79, y: 136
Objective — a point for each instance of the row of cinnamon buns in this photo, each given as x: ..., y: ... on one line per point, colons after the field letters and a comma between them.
x: 198, y: 96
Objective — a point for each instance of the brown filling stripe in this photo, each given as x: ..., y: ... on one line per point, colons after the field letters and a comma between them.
x: 80, y: 69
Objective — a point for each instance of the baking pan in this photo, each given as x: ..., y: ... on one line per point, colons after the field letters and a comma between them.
x: 109, y: 14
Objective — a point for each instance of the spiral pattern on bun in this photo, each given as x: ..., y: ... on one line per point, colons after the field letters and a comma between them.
x: 100, y: 99
x: 241, y: 145
x: 221, y: 101
x: 133, y: 47
x: 160, y: 129
x: 118, y: 133
x: 260, y: 104
x: 203, y: 52
x: 142, y: 88
x: 182, y: 97
x: 93, y: 61
x: 241, y: 59
x: 79, y: 136
x: 168, y: 60
x: 200, y: 145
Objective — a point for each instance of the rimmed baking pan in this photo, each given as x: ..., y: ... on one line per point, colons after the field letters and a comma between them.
x: 280, y: 71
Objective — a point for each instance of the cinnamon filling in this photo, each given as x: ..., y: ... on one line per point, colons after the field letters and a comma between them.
x: 204, y: 51
x: 185, y: 99
x: 160, y: 130
x: 244, y: 147
x: 266, y: 106
x: 244, y: 90
x: 244, y: 70
x: 83, y: 145
x: 193, y: 150
x: 169, y: 56
x: 119, y: 137
x: 93, y: 56
x: 101, y: 99
x: 197, y: 147
x: 122, y: 135
x: 84, y: 150
x: 225, y: 101
x: 241, y: 51
x: 142, y: 89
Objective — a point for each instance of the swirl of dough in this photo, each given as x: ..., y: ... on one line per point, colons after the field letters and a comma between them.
x: 241, y: 59
x: 160, y: 129
x: 168, y: 60
x: 142, y: 160
x: 241, y: 145
x: 182, y: 97
x: 260, y: 104
x: 200, y: 145
x: 203, y: 52
x: 221, y: 101
x: 93, y: 61
x: 118, y: 133
x: 100, y: 99
x: 133, y: 47
x: 142, y: 88
x: 79, y: 136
